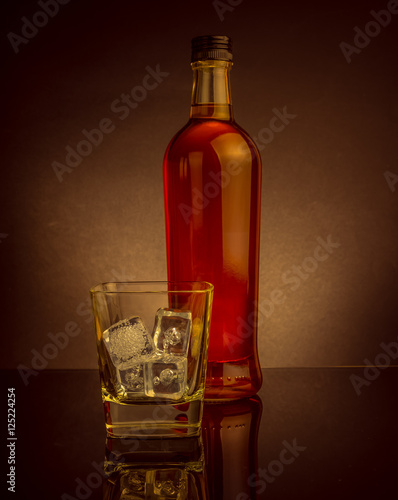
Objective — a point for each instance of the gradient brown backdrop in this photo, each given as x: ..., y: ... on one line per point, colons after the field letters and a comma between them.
x: 323, y: 174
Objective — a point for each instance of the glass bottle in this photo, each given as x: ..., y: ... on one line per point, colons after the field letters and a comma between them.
x: 212, y: 190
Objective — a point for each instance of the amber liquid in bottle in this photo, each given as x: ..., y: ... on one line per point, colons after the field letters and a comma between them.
x: 212, y: 188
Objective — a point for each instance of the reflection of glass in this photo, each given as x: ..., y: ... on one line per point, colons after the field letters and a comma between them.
x: 152, y: 342
x: 230, y: 434
x: 166, y: 469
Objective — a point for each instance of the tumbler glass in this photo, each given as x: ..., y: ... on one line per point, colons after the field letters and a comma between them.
x: 152, y: 340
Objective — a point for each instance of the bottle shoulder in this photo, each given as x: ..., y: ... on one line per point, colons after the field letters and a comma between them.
x: 202, y: 134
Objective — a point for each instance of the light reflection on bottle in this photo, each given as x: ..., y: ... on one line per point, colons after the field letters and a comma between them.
x: 230, y: 435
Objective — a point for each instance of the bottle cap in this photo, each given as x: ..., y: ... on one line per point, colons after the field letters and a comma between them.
x: 211, y: 47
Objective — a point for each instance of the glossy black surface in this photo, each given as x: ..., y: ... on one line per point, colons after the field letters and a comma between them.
x: 309, y: 434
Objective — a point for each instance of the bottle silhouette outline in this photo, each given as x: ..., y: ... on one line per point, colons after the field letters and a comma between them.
x: 212, y: 191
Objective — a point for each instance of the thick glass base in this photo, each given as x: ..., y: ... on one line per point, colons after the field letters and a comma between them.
x: 230, y: 380
x: 146, y: 419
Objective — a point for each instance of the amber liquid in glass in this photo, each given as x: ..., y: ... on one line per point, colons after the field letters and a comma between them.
x: 212, y: 187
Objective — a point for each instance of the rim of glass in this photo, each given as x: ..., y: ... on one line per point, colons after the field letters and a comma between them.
x: 101, y: 287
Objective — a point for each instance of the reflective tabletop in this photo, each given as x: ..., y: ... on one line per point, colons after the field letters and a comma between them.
x: 309, y: 433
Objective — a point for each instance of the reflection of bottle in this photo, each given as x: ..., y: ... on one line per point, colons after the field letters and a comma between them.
x: 155, y: 469
x: 212, y: 186
x: 230, y: 433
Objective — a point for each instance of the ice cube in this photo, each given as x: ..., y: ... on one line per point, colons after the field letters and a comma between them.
x: 127, y: 340
x: 172, y: 331
x: 166, y: 377
x: 130, y: 376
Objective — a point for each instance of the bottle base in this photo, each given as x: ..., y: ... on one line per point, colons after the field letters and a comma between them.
x: 229, y: 380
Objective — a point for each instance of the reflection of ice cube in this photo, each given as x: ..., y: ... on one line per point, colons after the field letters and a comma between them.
x: 164, y: 484
x: 172, y: 331
x: 133, y: 485
x: 166, y: 377
x: 127, y: 494
x: 170, y: 484
x: 127, y: 340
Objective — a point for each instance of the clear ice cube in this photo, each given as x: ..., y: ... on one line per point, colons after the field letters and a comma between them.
x: 166, y: 377
x: 130, y: 376
x: 172, y: 331
x: 127, y: 341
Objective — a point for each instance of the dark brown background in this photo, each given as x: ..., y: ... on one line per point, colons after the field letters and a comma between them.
x: 322, y: 175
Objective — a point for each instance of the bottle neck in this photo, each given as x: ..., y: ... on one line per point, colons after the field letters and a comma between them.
x: 211, y: 92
